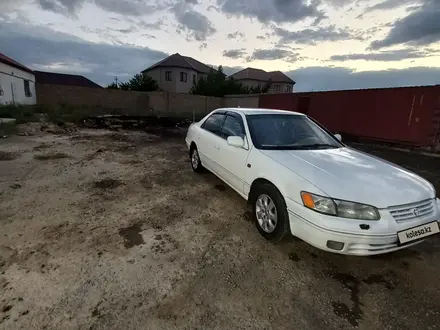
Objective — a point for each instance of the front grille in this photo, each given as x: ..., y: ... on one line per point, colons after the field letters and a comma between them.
x: 412, y: 211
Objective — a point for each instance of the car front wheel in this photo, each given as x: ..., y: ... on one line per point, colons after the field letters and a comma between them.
x: 269, y: 212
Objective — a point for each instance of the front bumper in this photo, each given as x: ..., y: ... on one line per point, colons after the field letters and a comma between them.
x: 380, y: 238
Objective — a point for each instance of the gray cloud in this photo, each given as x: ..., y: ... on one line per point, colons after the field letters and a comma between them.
x: 130, y: 29
x: 151, y: 26
x: 312, y: 37
x: 274, y: 54
x: 272, y: 10
x: 211, y: 8
x: 390, y: 4
x: 8, y: 5
x: 41, y: 48
x: 235, y: 53
x: 236, y: 35
x: 61, y: 6
x: 122, y: 7
x: 420, y: 27
x: 337, y: 78
x: 126, y: 7
x: 386, y: 56
x: 196, y: 25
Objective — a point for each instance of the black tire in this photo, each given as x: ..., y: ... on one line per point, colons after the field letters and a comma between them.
x: 282, y: 226
x: 196, y: 165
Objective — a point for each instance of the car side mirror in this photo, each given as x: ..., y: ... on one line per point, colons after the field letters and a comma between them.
x: 235, y: 141
x: 339, y: 137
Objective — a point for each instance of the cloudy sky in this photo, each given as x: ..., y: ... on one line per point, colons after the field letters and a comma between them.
x: 321, y: 44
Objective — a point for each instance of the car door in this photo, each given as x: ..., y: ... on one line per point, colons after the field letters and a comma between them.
x: 209, y: 139
x: 232, y: 160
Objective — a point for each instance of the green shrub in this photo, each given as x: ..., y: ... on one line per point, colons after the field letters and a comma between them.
x: 22, y: 113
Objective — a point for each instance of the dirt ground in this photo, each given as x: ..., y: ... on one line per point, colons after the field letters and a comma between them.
x: 112, y: 230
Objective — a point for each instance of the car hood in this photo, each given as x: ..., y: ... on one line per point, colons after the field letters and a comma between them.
x: 348, y: 174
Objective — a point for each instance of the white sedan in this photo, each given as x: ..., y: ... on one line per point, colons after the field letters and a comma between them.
x: 300, y: 178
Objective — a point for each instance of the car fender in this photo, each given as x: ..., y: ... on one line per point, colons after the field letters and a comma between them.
x: 289, y: 183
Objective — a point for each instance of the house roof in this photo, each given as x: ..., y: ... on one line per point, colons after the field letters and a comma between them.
x: 179, y: 61
x: 261, y: 75
x: 9, y: 61
x: 251, y: 73
x: 51, y: 78
x: 278, y: 76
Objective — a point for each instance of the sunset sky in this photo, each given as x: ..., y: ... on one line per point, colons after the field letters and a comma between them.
x: 321, y: 44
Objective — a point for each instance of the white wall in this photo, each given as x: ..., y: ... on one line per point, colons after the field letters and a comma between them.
x: 175, y: 85
x: 12, y: 84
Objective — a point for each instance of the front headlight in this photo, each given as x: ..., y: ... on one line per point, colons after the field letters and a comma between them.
x: 343, y: 209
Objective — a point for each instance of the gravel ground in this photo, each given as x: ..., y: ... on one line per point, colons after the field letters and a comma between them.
x: 112, y: 230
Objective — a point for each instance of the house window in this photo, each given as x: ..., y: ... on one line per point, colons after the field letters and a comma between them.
x: 277, y: 88
x: 168, y: 76
x: 194, y: 78
x: 183, y: 77
x: 27, y: 88
x: 1, y: 91
x: 288, y: 89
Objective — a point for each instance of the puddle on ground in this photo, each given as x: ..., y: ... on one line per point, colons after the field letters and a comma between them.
x: 294, y: 257
x: 354, y: 314
x: 384, y: 279
x: 107, y: 184
x: 132, y: 236
x: 220, y: 187
x: 4, y: 155
x: 56, y: 155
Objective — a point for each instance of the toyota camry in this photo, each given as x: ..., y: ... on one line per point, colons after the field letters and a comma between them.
x: 301, y: 179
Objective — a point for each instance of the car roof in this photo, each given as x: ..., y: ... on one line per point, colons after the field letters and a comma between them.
x: 260, y: 111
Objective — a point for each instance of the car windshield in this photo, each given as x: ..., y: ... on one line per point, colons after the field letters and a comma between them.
x: 288, y: 132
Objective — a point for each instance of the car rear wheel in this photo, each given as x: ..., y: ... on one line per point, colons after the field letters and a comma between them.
x: 196, y: 164
x: 269, y: 212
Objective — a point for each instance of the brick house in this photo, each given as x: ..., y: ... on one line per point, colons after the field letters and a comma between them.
x: 251, y: 77
x: 177, y: 73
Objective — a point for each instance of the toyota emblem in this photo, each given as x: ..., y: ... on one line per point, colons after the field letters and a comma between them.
x: 416, y: 212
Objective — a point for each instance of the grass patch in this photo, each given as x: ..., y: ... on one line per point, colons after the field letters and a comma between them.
x: 56, y: 155
x: 22, y: 113
x: 58, y: 114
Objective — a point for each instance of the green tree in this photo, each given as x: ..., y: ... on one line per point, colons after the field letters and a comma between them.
x: 113, y: 85
x: 216, y: 84
x: 261, y: 89
x: 141, y: 83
